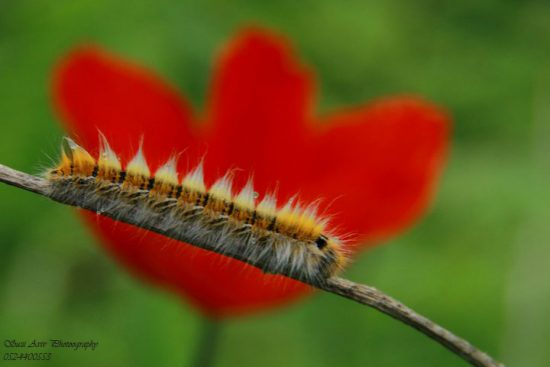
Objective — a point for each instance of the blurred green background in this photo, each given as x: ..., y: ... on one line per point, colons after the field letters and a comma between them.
x: 478, y: 262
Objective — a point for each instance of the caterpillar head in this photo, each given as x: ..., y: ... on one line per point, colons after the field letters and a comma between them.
x: 331, y: 255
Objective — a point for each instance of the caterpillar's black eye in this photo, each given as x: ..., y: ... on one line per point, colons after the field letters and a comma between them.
x: 321, y: 242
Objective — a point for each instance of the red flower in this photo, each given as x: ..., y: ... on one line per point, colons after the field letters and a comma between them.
x: 376, y: 164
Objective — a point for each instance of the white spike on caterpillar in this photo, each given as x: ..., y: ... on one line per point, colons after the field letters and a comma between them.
x: 221, y: 189
x: 194, y: 180
x: 168, y: 172
x: 245, y: 199
x: 290, y: 240
x: 268, y: 206
x: 108, y: 164
x: 137, y: 171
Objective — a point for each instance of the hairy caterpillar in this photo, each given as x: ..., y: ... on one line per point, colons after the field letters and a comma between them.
x: 288, y: 240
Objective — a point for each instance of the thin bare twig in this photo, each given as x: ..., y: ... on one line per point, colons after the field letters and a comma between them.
x: 358, y: 292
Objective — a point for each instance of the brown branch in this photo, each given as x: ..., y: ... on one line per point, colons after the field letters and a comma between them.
x: 376, y: 299
x: 358, y: 292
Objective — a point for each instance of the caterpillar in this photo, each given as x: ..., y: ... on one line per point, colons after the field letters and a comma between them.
x: 288, y: 240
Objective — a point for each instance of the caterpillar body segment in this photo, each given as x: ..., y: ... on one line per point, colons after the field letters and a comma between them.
x: 289, y: 240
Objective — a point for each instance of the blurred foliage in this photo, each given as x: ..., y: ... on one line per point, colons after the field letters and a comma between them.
x: 477, y: 263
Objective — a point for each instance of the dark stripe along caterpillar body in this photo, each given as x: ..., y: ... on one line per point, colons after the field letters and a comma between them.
x: 288, y: 240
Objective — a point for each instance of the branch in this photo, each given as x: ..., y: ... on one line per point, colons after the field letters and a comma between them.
x: 358, y: 292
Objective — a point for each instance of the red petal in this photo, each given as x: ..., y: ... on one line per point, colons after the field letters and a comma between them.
x: 380, y: 164
x: 260, y: 100
x: 95, y: 90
